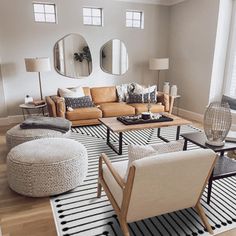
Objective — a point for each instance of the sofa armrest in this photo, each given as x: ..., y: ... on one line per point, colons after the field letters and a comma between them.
x: 104, y: 159
x: 164, y: 99
x: 51, y: 106
x: 60, y: 106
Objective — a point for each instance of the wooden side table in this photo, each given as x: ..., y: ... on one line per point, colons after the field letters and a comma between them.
x: 28, y: 109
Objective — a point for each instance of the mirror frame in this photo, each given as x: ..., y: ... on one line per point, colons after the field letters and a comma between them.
x: 107, y: 72
x: 54, y: 58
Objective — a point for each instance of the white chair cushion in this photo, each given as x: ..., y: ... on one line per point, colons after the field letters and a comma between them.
x: 121, y: 168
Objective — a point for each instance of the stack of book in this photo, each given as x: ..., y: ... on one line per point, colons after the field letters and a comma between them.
x: 37, y: 102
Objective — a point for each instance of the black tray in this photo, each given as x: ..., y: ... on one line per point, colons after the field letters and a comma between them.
x: 134, y: 121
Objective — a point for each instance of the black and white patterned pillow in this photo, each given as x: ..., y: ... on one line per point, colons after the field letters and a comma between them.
x: 153, y: 97
x: 81, y: 102
x: 134, y: 98
x: 141, y: 98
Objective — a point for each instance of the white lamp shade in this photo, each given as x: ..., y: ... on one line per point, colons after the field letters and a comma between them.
x: 37, y: 64
x: 159, y: 63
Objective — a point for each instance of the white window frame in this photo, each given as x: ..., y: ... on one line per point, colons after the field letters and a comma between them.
x: 141, y: 19
x: 230, y: 66
x: 46, y: 3
x: 97, y: 8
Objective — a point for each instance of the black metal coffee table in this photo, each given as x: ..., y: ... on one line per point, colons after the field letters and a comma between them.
x: 225, y: 167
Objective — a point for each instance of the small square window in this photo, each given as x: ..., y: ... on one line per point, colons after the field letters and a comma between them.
x: 135, y: 19
x: 50, y: 9
x: 92, y: 16
x: 44, y: 12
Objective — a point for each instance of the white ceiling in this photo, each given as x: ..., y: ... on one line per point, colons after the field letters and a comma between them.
x: 158, y: 2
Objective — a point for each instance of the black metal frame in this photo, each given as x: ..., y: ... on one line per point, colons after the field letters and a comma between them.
x: 166, y: 140
x: 213, y: 176
x: 119, y: 150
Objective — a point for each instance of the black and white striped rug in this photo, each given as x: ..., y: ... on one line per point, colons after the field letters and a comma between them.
x: 79, y: 212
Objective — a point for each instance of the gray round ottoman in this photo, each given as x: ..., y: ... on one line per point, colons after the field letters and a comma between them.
x: 16, y: 135
x: 46, y: 167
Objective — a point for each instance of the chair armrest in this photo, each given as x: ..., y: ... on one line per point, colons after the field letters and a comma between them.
x: 164, y: 99
x: 115, y: 174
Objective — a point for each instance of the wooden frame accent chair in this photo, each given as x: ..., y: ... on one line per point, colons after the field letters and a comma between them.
x: 156, y: 185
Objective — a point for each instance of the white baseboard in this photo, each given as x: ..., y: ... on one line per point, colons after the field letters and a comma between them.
x: 4, y: 121
x: 188, y: 114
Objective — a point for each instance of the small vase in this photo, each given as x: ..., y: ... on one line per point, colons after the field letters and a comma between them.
x: 166, y: 87
x: 173, y: 90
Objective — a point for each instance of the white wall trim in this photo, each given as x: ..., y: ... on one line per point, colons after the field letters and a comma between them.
x: 188, y: 114
x: 156, y: 2
x: 4, y: 121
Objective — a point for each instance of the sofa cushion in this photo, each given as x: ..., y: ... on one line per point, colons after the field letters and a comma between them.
x: 84, y: 113
x: 71, y: 92
x: 81, y: 102
x: 103, y: 94
x: 87, y: 91
x: 116, y: 109
x: 141, y: 107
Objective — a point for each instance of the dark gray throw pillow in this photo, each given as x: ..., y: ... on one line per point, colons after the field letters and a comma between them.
x: 134, y: 98
x: 137, y: 98
x: 80, y: 102
x: 231, y: 101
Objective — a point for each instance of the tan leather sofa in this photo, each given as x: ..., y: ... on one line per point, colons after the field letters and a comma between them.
x: 107, y: 105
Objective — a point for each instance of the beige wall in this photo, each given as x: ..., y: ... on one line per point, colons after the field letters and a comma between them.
x: 22, y: 38
x: 193, y: 26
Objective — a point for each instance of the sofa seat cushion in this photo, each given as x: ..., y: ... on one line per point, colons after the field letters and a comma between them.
x: 141, y: 107
x: 84, y: 113
x: 116, y: 190
x: 103, y: 94
x: 116, y: 109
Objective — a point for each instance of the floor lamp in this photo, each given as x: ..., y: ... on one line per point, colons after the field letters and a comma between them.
x: 38, y: 65
x: 158, y: 64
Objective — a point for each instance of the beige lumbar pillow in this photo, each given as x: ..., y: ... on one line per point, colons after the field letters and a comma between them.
x: 137, y: 152
x: 76, y: 92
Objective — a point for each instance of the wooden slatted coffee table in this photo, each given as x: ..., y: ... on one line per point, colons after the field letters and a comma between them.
x: 116, y: 126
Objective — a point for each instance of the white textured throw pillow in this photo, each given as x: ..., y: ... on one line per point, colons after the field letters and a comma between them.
x: 71, y: 92
x: 139, y: 89
x: 174, y: 146
x: 137, y: 152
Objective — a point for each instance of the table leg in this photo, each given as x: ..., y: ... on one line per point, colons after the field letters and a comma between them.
x: 209, y: 188
x: 161, y: 137
x: 108, y: 136
x: 119, y: 151
x: 177, y: 132
x: 23, y: 112
x: 185, y: 145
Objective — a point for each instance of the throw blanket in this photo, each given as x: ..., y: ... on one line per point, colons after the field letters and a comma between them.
x: 41, y: 122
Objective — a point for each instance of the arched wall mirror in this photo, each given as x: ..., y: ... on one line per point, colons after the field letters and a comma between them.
x: 72, y: 57
x: 114, y: 57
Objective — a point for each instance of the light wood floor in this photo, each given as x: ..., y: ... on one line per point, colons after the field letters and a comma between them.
x: 23, y: 216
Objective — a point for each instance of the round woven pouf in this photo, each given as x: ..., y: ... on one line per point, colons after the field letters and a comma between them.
x: 16, y: 135
x: 46, y: 167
